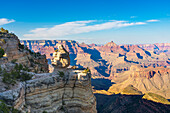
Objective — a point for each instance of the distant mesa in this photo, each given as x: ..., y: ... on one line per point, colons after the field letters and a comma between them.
x: 110, y: 44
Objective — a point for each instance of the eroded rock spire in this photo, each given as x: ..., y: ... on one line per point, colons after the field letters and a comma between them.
x: 61, y: 57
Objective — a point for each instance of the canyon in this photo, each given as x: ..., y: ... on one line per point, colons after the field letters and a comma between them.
x: 143, y: 67
x: 105, y: 60
x: 109, y: 60
x: 64, y: 76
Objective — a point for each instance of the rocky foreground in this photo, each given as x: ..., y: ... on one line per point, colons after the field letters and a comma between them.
x: 26, y: 88
x: 53, y: 92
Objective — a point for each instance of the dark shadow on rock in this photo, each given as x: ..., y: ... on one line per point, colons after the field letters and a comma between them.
x: 95, y: 55
x: 125, y: 59
x: 128, y: 104
x: 147, y: 52
x: 124, y: 48
x: 139, y: 56
x: 72, y: 56
x: 101, y: 84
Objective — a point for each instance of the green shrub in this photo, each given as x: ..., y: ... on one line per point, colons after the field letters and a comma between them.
x: 2, y: 30
x: 0, y: 69
x: 7, y: 109
x: 15, y: 75
x: 13, y: 61
x: 61, y: 74
x: 26, y: 69
x: 2, y: 52
x: 21, y: 46
x: 86, y: 70
x: 25, y: 77
x: 44, y: 112
x: 3, y: 40
x: 8, y: 79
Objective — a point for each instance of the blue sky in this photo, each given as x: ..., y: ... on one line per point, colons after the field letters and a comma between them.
x: 89, y: 21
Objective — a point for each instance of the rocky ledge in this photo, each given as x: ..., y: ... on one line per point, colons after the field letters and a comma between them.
x: 65, y: 90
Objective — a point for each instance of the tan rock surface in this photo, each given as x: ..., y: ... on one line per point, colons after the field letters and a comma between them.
x: 61, y: 58
x: 16, y: 52
x: 156, y: 80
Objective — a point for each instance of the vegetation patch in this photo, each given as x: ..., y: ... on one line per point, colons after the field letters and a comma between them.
x: 10, y: 78
x: 2, y: 52
x: 3, y: 41
x: 13, y: 61
x: 7, y: 109
x: 61, y: 74
x: 130, y: 90
x: 86, y: 70
x: 156, y: 98
x: 2, y: 30
x: 21, y: 46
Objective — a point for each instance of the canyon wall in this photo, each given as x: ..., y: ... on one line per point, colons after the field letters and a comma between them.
x: 105, y: 60
x: 53, y: 93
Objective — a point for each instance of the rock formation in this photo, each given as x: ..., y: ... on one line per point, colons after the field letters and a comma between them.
x: 17, y: 53
x: 114, y: 63
x: 61, y: 58
x: 149, y: 79
x: 68, y: 91
x: 105, y: 60
x: 65, y: 90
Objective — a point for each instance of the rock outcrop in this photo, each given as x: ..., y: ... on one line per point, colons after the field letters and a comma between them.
x: 65, y: 90
x: 61, y: 93
x: 17, y: 53
x: 61, y: 58
x: 68, y: 91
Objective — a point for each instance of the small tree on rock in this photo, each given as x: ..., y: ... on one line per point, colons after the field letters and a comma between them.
x: 2, y: 52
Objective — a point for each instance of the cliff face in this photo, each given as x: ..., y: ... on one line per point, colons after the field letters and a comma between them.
x: 63, y: 90
x: 51, y: 92
x: 17, y: 53
x: 61, y: 94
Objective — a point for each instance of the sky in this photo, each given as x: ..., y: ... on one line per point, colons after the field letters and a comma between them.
x: 89, y: 21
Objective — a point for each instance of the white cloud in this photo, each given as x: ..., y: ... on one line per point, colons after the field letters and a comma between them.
x: 78, y: 27
x: 5, y: 21
x: 153, y: 20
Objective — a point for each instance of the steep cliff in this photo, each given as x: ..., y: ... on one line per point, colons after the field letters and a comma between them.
x: 65, y: 90
x: 54, y: 92
x: 17, y: 53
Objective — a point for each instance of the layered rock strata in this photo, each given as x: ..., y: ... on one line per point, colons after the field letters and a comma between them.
x: 17, y: 53
x: 65, y: 90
